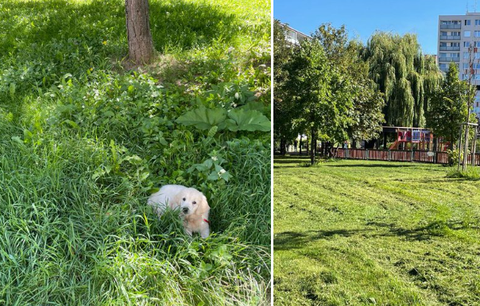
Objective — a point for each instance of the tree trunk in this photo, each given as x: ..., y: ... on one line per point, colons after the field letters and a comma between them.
x: 140, y: 44
x: 300, y: 146
x: 465, y: 148
x: 307, y: 146
x: 283, y: 151
x: 312, y: 148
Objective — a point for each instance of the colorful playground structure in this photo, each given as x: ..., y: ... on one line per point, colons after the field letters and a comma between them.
x: 408, y: 138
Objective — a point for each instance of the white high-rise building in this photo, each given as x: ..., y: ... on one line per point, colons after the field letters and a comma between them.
x: 459, y: 42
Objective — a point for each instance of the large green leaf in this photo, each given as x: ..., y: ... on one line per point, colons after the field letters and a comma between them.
x: 203, y: 118
x: 247, y: 120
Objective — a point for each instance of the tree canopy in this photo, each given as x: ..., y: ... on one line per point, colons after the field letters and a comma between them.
x: 404, y: 75
x: 448, y: 106
x: 283, y: 106
x: 322, y: 88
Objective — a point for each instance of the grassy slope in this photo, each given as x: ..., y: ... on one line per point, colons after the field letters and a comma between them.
x: 374, y: 233
x: 83, y: 142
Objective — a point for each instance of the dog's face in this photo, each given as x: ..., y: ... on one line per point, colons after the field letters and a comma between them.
x: 192, y: 201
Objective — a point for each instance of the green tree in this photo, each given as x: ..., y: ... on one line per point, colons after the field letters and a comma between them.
x: 404, y: 75
x: 448, y: 106
x: 284, y: 109
x: 320, y: 92
x: 346, y: 56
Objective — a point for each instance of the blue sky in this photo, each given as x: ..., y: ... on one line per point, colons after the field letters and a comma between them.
x: 363, y: 17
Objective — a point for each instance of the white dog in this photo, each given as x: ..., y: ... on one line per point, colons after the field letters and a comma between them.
x: 192, y: 203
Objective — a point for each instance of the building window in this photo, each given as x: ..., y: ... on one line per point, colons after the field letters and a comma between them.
x: 465, y: 65
x: 477, y: 22
x: 466, y: 33
x: 455, y: 44
x: 466, y: 44
x: 465, y: 54
x: 467, y: 22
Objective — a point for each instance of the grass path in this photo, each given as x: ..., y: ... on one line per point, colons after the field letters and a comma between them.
x: 374, y: 233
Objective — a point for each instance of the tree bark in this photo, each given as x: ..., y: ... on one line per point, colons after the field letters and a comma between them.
x: 140, y: 43
x: 283, y: 145
x: 308, y: 152
x: 300, y: 146
x: 312, y: 148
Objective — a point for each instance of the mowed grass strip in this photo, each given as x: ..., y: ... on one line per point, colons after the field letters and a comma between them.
x: 374, y: 233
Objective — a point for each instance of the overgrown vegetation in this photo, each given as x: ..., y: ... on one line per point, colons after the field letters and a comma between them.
x: 374, y: 233
x: 84, y: 142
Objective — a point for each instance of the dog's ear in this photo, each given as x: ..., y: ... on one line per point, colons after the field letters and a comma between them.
x: 204, y: 207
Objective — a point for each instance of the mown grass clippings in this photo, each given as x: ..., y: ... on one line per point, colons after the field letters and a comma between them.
x: 366, y: 233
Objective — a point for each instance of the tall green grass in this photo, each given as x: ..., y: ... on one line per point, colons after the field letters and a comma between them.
x: 83, y: 143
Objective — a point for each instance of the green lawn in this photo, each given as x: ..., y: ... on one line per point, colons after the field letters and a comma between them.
x: 374, y: 233
x: 84, y: 141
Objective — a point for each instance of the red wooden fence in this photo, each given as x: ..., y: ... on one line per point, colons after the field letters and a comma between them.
x: 398, y: 155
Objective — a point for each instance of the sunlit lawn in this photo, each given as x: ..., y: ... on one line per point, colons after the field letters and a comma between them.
x: 374, y: 233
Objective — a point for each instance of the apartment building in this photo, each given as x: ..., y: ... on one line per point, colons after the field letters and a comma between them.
x: 294, y: 36
x: 459, y: 42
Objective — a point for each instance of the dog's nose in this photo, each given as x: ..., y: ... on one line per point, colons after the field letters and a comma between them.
x: 185, y: 210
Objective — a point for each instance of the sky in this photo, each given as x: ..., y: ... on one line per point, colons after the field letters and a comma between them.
x: 363, y: 17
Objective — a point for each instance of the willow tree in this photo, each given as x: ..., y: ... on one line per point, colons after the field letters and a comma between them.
x: 403, y: 74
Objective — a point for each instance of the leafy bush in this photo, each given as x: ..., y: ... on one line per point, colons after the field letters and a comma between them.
x: 453, y: 156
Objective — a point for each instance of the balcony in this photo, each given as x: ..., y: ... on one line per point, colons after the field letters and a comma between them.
x: 450, y: 37
x: 450, y: 26
x: 448, y: 59
x: 445, y: 48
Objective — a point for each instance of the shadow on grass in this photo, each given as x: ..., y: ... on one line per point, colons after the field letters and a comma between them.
x: 374, y: 165
x: 290, y: 159
x: 289, y: 166
x: 44, y: 40
x: 179, y: 24
x: 297, y: 240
